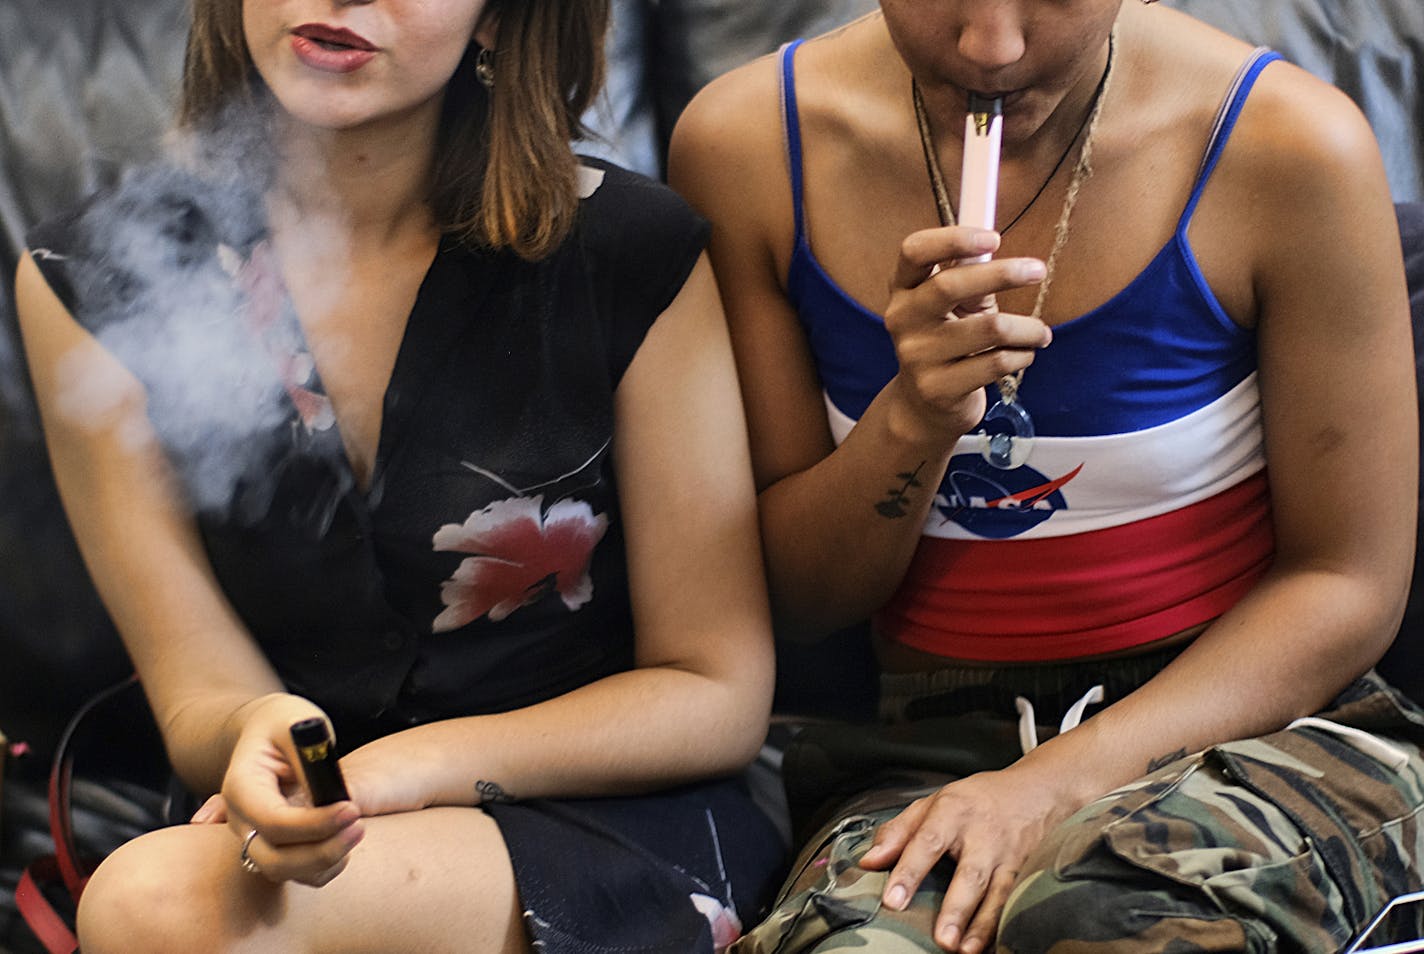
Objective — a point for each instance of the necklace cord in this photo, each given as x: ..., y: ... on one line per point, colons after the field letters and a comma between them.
x: 947, y: 212
x: 1009, y: 384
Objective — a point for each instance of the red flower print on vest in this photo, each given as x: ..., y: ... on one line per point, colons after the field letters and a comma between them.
x: 519, y: 553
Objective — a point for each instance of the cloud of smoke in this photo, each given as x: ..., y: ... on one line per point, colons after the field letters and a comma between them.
x: 178, y: 284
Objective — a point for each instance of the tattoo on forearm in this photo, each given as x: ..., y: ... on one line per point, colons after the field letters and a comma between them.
x: 489, y: 792
x: 893, y: 506
x: 1167, y: 759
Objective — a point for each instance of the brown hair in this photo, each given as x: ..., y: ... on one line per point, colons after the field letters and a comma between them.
x: 504, y: 174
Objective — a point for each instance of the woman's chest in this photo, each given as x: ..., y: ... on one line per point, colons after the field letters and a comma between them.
x: 353, y: 319
x: 1113, y: 219
x: 490, y: 474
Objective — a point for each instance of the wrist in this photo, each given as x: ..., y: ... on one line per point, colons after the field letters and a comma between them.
x: 1073, y: 775
x: 269, y: 713
x: 421, y: 767
x: 1091, y: 760
x: 919, y: 427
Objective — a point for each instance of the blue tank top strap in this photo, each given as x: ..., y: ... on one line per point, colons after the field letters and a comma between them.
x: 791, y: 122
x: 1226, y: 118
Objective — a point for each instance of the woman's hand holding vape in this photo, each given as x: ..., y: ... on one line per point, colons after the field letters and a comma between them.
x: 267, y: 802
x: 945, y: 364
x: 950, y: 273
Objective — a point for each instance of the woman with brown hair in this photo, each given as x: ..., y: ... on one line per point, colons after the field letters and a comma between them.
x: 370, y: 407
x: 1124, y: 475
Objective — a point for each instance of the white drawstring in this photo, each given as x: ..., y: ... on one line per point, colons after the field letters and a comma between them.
x: 1028, y: 725
x: 1372, y: 745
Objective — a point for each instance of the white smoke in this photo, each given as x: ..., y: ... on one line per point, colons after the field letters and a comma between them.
x: 168, y: 304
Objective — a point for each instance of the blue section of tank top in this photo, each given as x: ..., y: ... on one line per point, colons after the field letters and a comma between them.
x: 1160, y: 348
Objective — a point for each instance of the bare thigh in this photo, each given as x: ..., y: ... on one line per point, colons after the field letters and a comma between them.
x: 429, y: 881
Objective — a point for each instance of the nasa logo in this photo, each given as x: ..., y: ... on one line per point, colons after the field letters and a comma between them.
x: 998, y: 504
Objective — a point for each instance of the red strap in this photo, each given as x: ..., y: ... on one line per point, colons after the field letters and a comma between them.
x: 47, y: 924
x: 64, y: 865
x: 74, y: 871
x: 60, y: 828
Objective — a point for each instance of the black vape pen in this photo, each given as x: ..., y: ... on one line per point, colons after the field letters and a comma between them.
x: 317, y: 753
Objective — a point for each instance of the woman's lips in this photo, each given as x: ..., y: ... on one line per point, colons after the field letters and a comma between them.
x: 331, y: 49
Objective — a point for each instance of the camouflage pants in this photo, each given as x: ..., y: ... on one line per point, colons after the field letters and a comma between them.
x: 1285, y: 843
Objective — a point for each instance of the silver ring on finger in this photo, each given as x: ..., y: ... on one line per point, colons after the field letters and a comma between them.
x: 245, y: 859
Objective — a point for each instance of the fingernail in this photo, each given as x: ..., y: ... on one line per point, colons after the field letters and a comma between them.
x: 201, y: 816
x: 1032, y: 270
x: 986, y: 241
x: 950, y: 935
x: 348, y: 815
x: 897, y: 897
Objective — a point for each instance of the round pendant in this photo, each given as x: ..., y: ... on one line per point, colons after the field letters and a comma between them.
x: 1008, y: 435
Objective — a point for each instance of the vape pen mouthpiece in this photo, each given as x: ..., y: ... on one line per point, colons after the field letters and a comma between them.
x: 318, y: 761
x: 986, y: 105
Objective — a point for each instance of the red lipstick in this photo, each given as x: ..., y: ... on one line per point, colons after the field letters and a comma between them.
x: 331, y: 49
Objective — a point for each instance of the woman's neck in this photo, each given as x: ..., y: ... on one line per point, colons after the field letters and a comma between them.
x: 373, y: 183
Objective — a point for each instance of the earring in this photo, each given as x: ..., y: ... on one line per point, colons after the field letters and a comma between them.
x: 484, y: 67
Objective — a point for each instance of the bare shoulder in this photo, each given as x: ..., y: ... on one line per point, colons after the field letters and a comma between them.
x: 1293, y: 127
x: 1303, y: 165
x: 734, y: 121
x: 737, y: 122
x: 1299, y: 132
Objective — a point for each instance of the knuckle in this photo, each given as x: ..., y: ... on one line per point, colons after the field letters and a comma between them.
x: 910, y: 350
x: 928, y: 388
x: 973, y: 875
x: 946, y: 930
x: 895, y: 317
x: 948, y: 283
x: 1002, y: 362
x: 914, y: 386
x: 999, y: 324
x: 950, y: 798
x: 931, y: 840
x: 333, y: 853
x: 915, y: 811
x: 912, y: 247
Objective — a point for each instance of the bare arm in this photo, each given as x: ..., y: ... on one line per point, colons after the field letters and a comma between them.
x: 139, y: 542
x: 727, y: 157
x: 698, y: 700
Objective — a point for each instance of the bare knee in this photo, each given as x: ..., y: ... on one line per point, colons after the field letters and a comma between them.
x: 158, y: 894
x: 123, y: 902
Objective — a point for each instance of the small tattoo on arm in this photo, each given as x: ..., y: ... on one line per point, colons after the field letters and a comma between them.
x: 490, y: 792
x: 893, y: 506
x: 1167, y: 759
